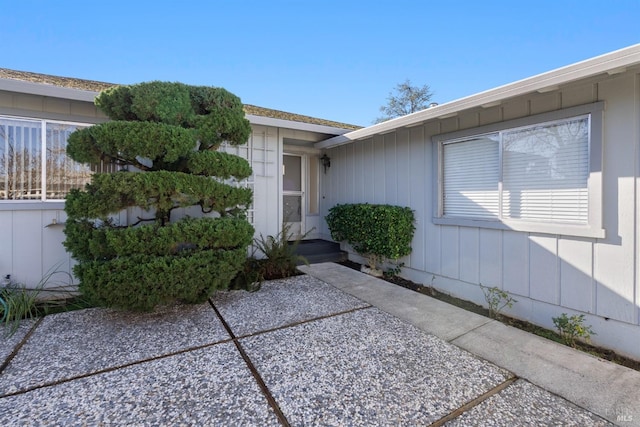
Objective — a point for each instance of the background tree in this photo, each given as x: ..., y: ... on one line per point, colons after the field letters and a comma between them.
x: 405, y: 99
x: 165, y: 137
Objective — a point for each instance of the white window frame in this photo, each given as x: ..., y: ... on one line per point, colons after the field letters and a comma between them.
x: 23, y: 204
x: 594, y: 226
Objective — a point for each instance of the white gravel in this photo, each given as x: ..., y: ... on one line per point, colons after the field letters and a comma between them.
x: 328, y: 359
x: 9, y: 341
x: 523, y: 404
x: 367, y: 368
x: 210, y: 386
x: 77, y: 343
x: 280, y: 303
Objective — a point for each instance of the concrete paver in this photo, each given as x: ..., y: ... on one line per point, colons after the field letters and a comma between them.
x: 523, y: 404
x: 208, y: 386
x: 367, y: 368
x: 428, y: 314
x: 604, y: 388
x: 11, y: 340
x: 78, y: 343
x: 277, y: 304
x: 572, y: 374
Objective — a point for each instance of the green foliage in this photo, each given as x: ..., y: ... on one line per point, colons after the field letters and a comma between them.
x: 18, y: 302
x: 497, y: 299
x: 164, y: 136
x: 116, y: 103
x: 98, y: 242
x: 572, y: 327
x: 215, y: 163
x: 393, y: 270
x: 250, y: 276
x: 374, y: 231
x: 140, y: 282
x: 280, y: 258
x: 124, y: 142
x: 162, y: 102
x: 162, y: 190
x: 219, y: 117
x: 214, y: 113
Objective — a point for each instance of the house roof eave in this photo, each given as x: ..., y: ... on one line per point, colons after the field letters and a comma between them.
x: 31, y: 88
x: 295, y: 125
x: 612, y: 62
x: 86, y: 90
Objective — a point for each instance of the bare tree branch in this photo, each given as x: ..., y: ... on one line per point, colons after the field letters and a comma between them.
x: 405, y: 99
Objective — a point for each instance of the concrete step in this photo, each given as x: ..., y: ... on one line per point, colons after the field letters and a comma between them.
x: 317, y: 251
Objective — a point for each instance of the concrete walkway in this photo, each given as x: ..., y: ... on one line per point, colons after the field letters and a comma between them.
x: 333, y: 347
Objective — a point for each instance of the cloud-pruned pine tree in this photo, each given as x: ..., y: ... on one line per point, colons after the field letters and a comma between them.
x: 165, y: 137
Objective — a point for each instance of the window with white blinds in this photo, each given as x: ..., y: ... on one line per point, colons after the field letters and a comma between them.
x: 545, y: 170
x: 33, y: 160
x: 471, y: 175
x: 533, y: 173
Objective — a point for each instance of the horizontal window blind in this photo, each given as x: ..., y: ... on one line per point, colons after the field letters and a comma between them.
x: 20, y: 160
x: 62, y: 173
x: 471, y: 174
x: 33, y: 160
x: 545, y: 172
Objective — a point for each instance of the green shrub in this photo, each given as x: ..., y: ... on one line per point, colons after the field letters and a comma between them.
x: 496, y: 299
x: 140, y: 282
x: 162, y: 190
x: 374, y: 231
x: 18, y: 302
x: 102, y: 243
x: 572, y: 327
x: 250, y: 276
x: 273, y: 257
x: 280, y: 258
x: 164, y: 136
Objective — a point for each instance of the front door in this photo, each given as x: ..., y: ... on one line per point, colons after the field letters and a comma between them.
x: 293, y: 194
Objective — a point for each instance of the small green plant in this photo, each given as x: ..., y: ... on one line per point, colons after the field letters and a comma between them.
x: 572, y: 327
x: 497, y: 299
x: 278, y: 260
x: 250, y: 277
x: 393, y: 270
x: 21, y: 302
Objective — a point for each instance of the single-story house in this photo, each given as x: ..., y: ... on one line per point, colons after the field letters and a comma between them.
x: 38, y: 112
x: 532, y: 187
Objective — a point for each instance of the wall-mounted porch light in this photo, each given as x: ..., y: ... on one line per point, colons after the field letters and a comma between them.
x: 326, y: 162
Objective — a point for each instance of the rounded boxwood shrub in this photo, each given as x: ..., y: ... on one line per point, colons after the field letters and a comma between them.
x: 374, y: 231
x: 164, y: 136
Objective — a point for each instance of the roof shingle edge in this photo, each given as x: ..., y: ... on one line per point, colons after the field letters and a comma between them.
x: 96, y: 86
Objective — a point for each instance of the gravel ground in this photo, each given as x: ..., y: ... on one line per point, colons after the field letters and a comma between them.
x: 210, y: 386
x: 367, y: 368
x: 280, y: 303
x: 71, y: 344
x: 8, y: 341
x: 347, y: 363
x: 523, y: 404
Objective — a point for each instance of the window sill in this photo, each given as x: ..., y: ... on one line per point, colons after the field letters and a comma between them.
x: 31, y: 205
x: 529, y: 227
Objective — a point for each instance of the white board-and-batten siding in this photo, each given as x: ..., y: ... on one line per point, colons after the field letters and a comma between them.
x: 548, y: 274
x: 31, y: 232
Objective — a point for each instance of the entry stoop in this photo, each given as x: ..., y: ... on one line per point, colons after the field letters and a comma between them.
x: 318, y: 250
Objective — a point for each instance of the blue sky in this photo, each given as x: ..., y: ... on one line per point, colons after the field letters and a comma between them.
x: 336, y: 60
